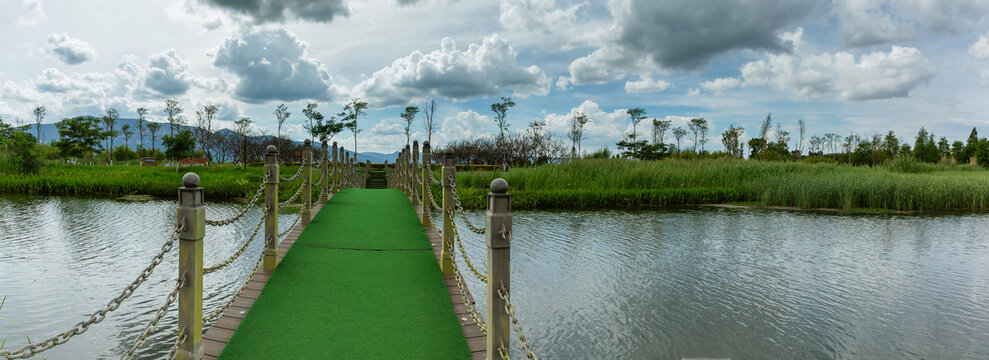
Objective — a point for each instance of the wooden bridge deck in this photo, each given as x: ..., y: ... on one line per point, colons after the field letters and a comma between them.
x: 297, y: 312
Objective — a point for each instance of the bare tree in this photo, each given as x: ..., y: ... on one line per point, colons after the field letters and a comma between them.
x: 39, y: 114
x: 243, y: 128
x: 635, y: 115
x: 204, y: 126
x: 173, y: 109
x: 282, y: 114
x: 409, y: 115
x: 429, y: 109
x: 153, y: 128
x: 141, y: 112
x: 576, y: 133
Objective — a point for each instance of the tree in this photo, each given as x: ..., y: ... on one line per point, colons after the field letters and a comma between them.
x: 972, y: 146
x: 698, y: 126
x: 312, y: 115
x: 501, y: 111
x: 635, y: 115
x: 891, y: 144
x: 803, y: 130
x: 127, y: 134
x: 141, y: 112
x: 782, y: 138
x: 576, y: 133
x: 703, y: 129
x: 39, y: 114
x: 535, y: 129
x: 428, y: 110
x: 351, y: 112
x: 153, y: 128
x: 409, y: 115
x: 204, y: 125
x: 109, y: 122
x: 179, y: 146
x: 679, y: 133
x: 731, y: 139
x: 243, y: 128
x: 79, y: 136
x: 282, y: 114
x: 766, y: 125
x: 173, y: 109
x: 659, y: 128
x: 326, y: 131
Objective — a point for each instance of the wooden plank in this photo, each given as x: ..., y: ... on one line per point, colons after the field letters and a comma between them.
x: 219, y: 334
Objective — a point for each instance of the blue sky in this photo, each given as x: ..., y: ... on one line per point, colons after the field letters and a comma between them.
x: 862, y: 66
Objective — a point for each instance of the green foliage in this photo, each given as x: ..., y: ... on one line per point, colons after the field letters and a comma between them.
x: 80, y: 136
x: 179, y: 146
x: 124, y: 153
x: 604, y: 153
x: 643, y: 150
x: 23, y: 154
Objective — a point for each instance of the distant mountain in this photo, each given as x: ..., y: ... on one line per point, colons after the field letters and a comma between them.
x: 49, y: 134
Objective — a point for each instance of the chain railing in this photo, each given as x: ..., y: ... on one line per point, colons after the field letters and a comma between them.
x: 467, y: 301
x: 236, y: 254
x: 463, y: 253
x: 250, y: 204
x: 296, y: 195
x: 293, y: 177
x: 516, y: 324
x: 460, y: 208
x: 36, y: 348
x: 153, y: 324
x: 216, y: 313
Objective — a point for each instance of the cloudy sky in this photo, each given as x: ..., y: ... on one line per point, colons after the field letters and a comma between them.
x: 862, y: 66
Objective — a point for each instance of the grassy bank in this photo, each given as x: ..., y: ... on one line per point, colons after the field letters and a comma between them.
x: 900, y: 185
x: 219, y: 183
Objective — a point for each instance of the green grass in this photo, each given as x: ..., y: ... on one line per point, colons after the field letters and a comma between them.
x: 361, y: 282
x: 899, y: 185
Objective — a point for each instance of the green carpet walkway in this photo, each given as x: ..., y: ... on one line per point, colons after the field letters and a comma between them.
x: 361, y: 282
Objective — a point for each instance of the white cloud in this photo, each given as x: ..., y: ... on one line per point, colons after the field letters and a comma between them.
x: 867, y: 23
x: 271, y: 64
x: 384, y: 128
x: 480, y: 70
x: 603, y: 129
x: 553, y: 25
x: 885, y: 22
x: 70, y: 51
x: 167, y: 73
x: 645, y: 84
x: 719, y: 86
x: 33, y: 14
x: 466, y: 124
x: 279, y: 11
x: 980, y: 48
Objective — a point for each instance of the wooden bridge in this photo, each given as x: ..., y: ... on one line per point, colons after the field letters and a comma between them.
x: 362, y: 273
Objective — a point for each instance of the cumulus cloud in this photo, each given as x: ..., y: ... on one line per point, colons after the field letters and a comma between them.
x: 33, y: 13
x: 645, y: 84
x: 484, y: 69
x: 465, y: 124
x: 544, y: 17
x: 980, y: 48
x: 279, y: 11
x: 167, y: 73
x: 876, y: 75
x: 383, y: 128
x: 271, y: 64
x: 70, y: 51
x: 869, y: 22
x: 721, y: 85
x: 684, y: 34
x: 603, y: 128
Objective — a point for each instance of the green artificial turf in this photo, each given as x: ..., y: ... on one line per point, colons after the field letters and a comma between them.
x: 360, y: 283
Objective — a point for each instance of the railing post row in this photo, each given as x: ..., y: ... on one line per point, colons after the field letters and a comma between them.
x: 449, y: 172
x: 367, y: 172
x: 336, y: 168
x: 271, y: 205
x: 323, y: 166
x: 498, y: 236
x: 427, y: 186
x: 307, y: 182
x: 414, y: 166
x: 192, y: 213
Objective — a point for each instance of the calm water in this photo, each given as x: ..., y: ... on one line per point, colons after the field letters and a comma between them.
x: 61, y: 259
x: 745, y: 284
x: 749, y: 284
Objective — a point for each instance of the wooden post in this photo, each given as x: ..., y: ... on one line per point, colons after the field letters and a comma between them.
x: 367, y: 172
x: 336, y: 169
x: 449, y: 171
x: 414, y: 166
x: 498, y: 236
x: 325, y: 175
x: 307, y: 184
x: 271, y: 203
x: 192, y: 213
x: 343, y: 169
x: 427, y: 186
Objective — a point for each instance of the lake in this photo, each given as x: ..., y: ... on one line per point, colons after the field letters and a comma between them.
x: 657, y: 284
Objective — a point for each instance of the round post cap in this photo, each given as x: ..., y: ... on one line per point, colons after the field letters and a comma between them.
x: 308, y: 142
x: 425, y: 143
x: 190, y: 180
x: 271, y: 149
x: 499, y: 186
x: 448, y: 152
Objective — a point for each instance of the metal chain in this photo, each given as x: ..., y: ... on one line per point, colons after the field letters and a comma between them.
x: 463, y: 294
x: 81, y: 327
x: 216, y: 314
x: 432, y: 199
x: 153, y: 324
x: 433, y: 178
x: 293, y: 177
x: 243, y: 212
x: 290, y: 227
x: 460, y: 208
x: 180, y: 338
x: 516, y: 325
x: 240, y: 251
x: 463, y: 254
x: 297, y: 193
x: 503, y: 352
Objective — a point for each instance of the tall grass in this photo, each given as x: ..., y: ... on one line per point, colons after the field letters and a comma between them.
x: 596, y: 183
